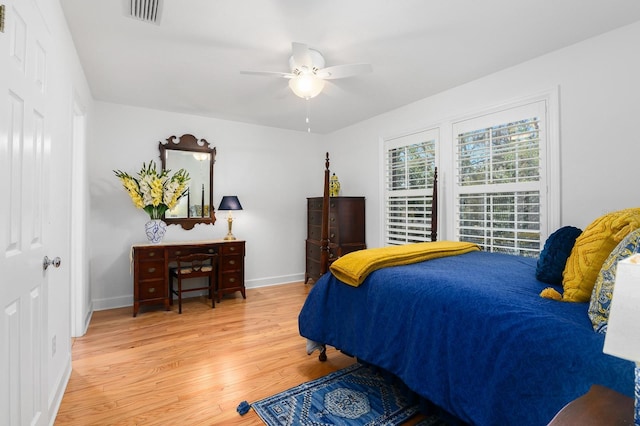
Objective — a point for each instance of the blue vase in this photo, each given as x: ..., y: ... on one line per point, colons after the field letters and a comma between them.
x: 155, y: 230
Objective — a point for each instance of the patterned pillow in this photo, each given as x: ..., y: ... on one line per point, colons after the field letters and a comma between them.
x: 555, y: 253
x: 591, y: 250
x: 603, y: 288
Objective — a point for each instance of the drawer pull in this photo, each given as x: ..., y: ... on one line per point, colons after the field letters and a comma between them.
x: 232, y: 262
x: 152, y: 253
x: 232, y: 280
x: 232, y: 248
x: 211, y: 250
x: 333, y: 219
x: 152, y: 270
x: 152, y: 290
x: 178, y: 252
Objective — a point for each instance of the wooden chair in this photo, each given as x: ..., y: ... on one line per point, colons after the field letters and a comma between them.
x: 194, y: 266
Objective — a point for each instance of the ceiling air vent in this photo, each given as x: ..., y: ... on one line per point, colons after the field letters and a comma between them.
x: 144, y: 10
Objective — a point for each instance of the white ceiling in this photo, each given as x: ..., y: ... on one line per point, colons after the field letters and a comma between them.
x: 191, y: 61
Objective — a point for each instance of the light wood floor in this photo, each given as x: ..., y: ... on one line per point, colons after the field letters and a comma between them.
x: 162, y: 368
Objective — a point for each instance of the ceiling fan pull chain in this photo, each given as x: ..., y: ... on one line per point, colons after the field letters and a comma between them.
x: 308, y: 115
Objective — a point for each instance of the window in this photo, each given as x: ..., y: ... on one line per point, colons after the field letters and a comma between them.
x: 408, y: 187
x: 500, y: 180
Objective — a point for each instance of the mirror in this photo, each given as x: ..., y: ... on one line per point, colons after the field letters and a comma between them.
x: 197, y: 158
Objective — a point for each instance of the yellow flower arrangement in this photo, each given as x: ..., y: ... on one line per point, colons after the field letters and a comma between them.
x: 154, y: 191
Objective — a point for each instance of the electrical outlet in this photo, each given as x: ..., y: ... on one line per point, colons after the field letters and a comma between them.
x: 53, y: 346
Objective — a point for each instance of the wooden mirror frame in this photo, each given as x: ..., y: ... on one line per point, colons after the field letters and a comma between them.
x: 190, y: 143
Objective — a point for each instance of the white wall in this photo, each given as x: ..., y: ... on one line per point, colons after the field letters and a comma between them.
x: 273, y: 171
x: 599, y: 86
x: 270, y: 170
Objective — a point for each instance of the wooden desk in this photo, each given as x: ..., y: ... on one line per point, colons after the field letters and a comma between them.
x: 600, y: 406
x: 151, y: 268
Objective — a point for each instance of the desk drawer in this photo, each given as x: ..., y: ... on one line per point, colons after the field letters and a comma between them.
x: 153, y: 289
x: 231, y: 262
x: 187, y: 250
x: 230, y: 280
x: 150, y: 253
x: 151, y: 269
x: 232, y: 248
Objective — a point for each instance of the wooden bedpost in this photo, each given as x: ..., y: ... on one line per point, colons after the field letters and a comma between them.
x: 434, y: 207
x: 324, y: 238
x: 324, y: 230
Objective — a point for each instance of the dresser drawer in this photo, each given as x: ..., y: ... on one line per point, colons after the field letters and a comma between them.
x: 149, y: 253
x: 348, y: 248
x: 151, y: 269
x: 314, y: 217
x: 313, y: 267
x: 314, y: 250
x: 314, y: 204
x: 313, y: 232
x: 154, y: 289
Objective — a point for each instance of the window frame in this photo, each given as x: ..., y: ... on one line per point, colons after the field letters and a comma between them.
x: 549, y: 153
x: 420, y: 232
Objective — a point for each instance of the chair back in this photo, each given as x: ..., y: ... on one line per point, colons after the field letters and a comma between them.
x: 199, y: 264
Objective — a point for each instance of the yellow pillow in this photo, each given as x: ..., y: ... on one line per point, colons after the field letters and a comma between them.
x: 591, y: 249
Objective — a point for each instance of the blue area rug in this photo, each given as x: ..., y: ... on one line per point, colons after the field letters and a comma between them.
x: 356, y: 395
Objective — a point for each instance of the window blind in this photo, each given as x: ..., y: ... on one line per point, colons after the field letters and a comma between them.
x: 499, y: 164
x: 409, y: 173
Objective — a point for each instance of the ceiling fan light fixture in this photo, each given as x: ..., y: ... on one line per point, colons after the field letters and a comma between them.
x: 306, y: 86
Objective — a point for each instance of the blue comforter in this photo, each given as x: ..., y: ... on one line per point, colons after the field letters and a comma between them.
x: 470, y: 334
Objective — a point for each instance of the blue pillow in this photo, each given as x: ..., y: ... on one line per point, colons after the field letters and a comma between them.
x: 555, y: 253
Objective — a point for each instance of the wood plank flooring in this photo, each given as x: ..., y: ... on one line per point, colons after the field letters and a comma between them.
x: 162, y: 368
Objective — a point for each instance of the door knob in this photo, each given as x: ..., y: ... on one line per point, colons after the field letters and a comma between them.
x: 46, y: 262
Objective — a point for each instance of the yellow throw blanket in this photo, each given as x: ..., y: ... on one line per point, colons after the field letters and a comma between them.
x: 354, y: 267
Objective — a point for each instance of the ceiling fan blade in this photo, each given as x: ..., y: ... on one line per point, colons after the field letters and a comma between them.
x: 269, y: 73
x: 301, y: 56
x: 342, y: 71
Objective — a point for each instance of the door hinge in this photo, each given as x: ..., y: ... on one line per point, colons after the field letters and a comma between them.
x: 1, y: 18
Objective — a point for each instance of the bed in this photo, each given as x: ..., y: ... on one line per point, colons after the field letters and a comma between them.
x: 469, y: 333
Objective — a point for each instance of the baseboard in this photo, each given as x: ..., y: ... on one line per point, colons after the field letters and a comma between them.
x: 113, y: 302
x: 270, y: 281
x: 124, y: 301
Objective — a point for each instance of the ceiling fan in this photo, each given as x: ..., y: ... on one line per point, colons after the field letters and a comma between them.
x: 308, y: 72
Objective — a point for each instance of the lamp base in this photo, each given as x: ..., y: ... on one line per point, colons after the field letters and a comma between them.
x: 229, y: 235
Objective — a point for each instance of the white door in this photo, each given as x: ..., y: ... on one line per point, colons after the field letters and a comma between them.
x: 24, y: 135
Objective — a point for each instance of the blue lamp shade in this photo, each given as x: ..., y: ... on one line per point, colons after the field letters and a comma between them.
x: 230, y: 202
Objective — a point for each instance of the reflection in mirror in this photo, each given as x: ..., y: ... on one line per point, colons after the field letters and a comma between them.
x: 197, y: 158
x: 197, y: 164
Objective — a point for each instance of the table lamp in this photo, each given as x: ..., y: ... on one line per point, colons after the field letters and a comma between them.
x: 230, y: 202
x: 623, y: 328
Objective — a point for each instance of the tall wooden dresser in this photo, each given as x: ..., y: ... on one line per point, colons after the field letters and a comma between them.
x: 346, y: 230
